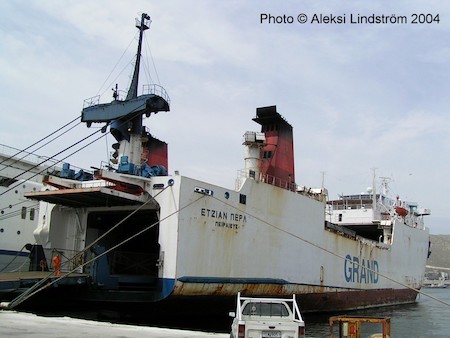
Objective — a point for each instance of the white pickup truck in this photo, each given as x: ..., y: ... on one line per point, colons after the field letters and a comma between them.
x: 267, y: 318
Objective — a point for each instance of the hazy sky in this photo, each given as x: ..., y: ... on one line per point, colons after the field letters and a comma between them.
x: 359, y: 95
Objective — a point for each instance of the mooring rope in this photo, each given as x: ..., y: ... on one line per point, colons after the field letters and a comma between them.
x: 38, y: 287
x: 333, y: 253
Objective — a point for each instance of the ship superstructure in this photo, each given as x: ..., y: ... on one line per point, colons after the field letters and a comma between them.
x: 373, y: 215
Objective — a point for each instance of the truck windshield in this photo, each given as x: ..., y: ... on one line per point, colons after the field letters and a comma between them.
x: 265, y: 309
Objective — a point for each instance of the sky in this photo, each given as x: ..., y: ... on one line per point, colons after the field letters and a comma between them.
x: 363, y: 98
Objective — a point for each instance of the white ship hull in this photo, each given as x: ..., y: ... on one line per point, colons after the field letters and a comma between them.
x: 207, y: 246
x: 277, y: 243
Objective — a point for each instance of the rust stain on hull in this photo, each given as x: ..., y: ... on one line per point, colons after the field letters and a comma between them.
x: 356, y: 299
x: 310, y: 298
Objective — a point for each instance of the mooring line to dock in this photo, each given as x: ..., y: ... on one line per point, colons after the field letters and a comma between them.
x: 38, y: 287
x: 62, y: 151
x: 35, y: 288
x: 37, y: 142
x: 13, y: 259
x: 53, y: 158
x: 333, y: 253
x: 121, y: 221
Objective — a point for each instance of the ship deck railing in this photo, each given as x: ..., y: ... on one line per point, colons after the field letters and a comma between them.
x: 96, y: 184
x: 156, y: 90
x: 121, y: 95
x: 340, y: 230
x: 382, y: 209
x: 269, y: 179
x: 343, y: 231
x: 350, y: 206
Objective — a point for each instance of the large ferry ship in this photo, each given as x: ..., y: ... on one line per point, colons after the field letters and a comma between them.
x: 145, y: 236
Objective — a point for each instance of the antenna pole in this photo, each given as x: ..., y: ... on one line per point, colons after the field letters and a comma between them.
x: 374, y: 190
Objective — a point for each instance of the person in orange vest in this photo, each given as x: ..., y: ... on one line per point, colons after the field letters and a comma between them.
x: 57, y: 264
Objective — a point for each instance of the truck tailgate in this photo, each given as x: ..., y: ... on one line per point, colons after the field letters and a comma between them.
x: 272, y: 330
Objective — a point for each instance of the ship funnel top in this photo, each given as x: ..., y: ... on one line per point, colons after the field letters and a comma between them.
x: 276, y: 154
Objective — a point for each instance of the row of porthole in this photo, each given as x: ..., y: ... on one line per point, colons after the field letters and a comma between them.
x: 17, y: 191
x: 3, y: 230
x: 3, y: 211
x: 23, y: 212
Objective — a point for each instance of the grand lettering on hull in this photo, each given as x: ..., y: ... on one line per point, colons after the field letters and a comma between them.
x: 364, y: 271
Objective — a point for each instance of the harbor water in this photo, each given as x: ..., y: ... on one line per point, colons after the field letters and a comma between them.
x: 427, y: 318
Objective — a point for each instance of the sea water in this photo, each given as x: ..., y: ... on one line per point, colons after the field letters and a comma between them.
x: 427, y: 318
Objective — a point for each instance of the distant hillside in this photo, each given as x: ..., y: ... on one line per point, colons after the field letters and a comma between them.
x: 440, y: 251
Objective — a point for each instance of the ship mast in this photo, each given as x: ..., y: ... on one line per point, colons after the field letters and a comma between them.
x: 134, y: 150
x: 142, y: 26
x: 125, y: 118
